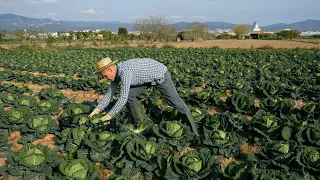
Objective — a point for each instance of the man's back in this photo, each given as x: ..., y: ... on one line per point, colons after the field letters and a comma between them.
x: 143, y: 70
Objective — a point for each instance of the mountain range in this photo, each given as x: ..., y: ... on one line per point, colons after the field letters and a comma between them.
x: 12, y: 22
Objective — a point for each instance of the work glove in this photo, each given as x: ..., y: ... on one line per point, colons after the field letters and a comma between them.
x: 106, y: 118
x: 94, y: 112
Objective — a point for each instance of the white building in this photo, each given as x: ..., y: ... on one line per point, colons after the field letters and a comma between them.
x: 309, y: 33
x: 256, y: 26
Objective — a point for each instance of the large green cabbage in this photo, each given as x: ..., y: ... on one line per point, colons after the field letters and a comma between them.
x: 173, y: 132
x: 77, y: 169
x: 41, y: 122
x: 194, y: 164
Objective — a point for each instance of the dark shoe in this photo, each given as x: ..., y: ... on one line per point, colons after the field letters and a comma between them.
x: 138, y: 113
x: 197, y: 140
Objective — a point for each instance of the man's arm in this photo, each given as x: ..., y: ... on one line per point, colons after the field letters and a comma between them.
x: 107, y: 97
x: 123, y: 98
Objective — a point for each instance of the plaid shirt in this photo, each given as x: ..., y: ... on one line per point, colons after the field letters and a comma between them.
x: 132, y: 72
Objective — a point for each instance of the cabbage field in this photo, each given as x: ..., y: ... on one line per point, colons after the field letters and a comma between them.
x: 257, y: 113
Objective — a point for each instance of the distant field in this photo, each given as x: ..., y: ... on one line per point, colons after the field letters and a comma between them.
x: 241, y: 44
x: 308, y: 40
x: 246, y: 44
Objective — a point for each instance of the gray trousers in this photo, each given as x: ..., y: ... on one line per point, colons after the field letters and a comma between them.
x: 167, y: 88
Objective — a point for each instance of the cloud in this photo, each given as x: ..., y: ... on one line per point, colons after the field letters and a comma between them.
x: 49, y: 1
x: 176, y: 17
x: 52, y: 14
x: 4, y: 4
x: 200, y: 17
x: 29, y: 1
x: 136, y: 17
x: 89, y: 11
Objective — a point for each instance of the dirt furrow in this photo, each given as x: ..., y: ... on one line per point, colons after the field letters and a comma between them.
x: 69, y: 93
x: 40, y: 74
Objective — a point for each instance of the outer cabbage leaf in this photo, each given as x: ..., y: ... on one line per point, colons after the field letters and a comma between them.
x: 175, y: 133
x: 236, y: 170
x: 143, y: 128
x: 278, y: 154
x: 194, y: 164
x: 308, y: 158
x: 30, y: 159
x: 28, y: 101
x: 144, y: 153
x: 222, y: 142
x: 50, y: 106
x: 266, y: 125
x: 77, y: 169
x: 241, y: 102
x: 269, y: 174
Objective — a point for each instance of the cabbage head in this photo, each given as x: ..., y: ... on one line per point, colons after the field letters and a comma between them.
x: 241, y: 102
x: 143, y: 150
x: 267, y: 125
x: 50, y: 106
x: 50, y: 93
x: 312, y: 156
x: 73, y: 169
x: 28, y: 101
x: 171, y: 129
x: 174, y: 133
x: 41, y: 122
x: 74, y: 109
x: 17, y: 115
x: 194, y: 164
x: 34, y: 155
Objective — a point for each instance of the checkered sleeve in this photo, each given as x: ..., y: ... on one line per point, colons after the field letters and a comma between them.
x: 124, y: 92
x: 107, y: 97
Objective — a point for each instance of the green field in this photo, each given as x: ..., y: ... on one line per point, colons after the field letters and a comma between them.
x: 266, y: 101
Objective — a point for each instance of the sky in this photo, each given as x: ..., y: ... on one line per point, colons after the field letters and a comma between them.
x: 265, y: 12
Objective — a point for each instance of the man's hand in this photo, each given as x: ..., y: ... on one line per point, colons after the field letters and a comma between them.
x: 106, y: 117
x: 94, y: 112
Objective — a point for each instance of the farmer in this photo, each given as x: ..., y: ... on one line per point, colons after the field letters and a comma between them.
x: 137, y: 75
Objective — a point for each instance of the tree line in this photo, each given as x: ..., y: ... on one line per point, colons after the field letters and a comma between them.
x: 152, y: 28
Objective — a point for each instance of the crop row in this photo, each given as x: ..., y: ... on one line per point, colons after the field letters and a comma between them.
x: 288, y: 138
x: 83, y: 84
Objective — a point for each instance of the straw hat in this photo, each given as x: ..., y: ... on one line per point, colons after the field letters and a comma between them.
x: 104, y: 63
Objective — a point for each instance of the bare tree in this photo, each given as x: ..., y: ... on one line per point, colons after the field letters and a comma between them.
x: 155, y: 28
x: 196, y: 31
x: 19, y: 34
x: 241, y: 30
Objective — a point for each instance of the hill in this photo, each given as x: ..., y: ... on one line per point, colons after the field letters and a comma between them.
x: 12, y: 22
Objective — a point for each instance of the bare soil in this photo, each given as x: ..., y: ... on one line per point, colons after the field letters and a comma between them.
x: 42, y: 74
x: 3, y: 176
x: 69, y: 93
x: 244, y: 44
x: 215, y: 110
x: 257, y: 102
x: 232, y: 43
x: 186, y: 150
x: 103, y: 173
x: 48, y: 140
x: 13, y: 139
x: 315, y: 41
x: 249, y: 118
x: 229, y: 93
x: 3, y: 162
x: 224, y: 162
x: 246, y: 148
x: 199, y: 88
x: 299, y: 104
